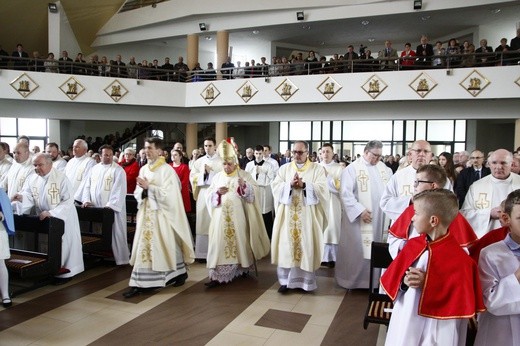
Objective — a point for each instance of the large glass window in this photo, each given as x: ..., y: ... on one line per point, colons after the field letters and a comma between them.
x: 36, y: 129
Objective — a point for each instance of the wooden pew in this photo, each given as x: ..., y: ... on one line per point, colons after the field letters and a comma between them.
x: 131, y: 217
x: 40, y: 267
x: 97, y: 244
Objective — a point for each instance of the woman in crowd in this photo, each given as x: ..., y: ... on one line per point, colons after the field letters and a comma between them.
x: 104, y: 67
x: 446, y: 162
x: 183, y: 172
x: 407, y: 57
x: 51, y: 64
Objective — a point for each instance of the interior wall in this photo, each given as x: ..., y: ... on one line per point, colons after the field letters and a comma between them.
x: 504, y: 137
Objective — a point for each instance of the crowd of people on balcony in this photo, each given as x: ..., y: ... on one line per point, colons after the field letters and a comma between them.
x: 426, y: 55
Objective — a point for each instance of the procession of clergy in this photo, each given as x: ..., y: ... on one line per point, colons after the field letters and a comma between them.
x: 322, y: 214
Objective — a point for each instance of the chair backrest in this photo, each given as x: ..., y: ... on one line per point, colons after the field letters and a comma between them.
x: 379, y: 258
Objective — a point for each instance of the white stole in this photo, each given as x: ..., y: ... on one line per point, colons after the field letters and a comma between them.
x: 365, y: 198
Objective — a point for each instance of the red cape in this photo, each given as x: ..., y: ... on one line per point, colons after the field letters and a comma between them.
x: 451, y: 286
x: 459, y: 228
x: 489, y: 238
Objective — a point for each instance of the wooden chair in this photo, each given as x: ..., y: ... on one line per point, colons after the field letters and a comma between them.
x: 377, y: 302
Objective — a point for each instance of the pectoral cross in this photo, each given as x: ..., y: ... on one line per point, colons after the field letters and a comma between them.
x: 54, y: 193
x: 108, y: 183
x: 363, y: 179
x: 482, y: 202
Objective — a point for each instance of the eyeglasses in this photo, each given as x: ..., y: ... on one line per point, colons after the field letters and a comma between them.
x: 476, y: 157
x: 418, y: 151
x: 375, y: 155
x: 417, y: 182
x: 298, y: 152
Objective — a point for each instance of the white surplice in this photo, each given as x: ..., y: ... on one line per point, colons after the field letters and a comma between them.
x: 53, y: 193
x: 500, y: 324
x: 60, y: 164
x: 106, y: 188
x: 264, y: 176
x: 331, y: 234
x: 16, y: 176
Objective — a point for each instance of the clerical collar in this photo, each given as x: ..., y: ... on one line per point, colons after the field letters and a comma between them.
x: 259, y: 163
x: 502, y: 181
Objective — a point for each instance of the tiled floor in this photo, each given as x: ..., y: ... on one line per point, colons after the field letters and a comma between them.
x: 248, y: 311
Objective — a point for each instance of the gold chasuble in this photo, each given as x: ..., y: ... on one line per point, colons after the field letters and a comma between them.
x: 301, y: 217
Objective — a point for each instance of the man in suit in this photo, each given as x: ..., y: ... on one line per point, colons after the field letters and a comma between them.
x: 471, y: 174
x: 286, y: 158
x: 20, y: 58
x: 118, y: 67
x: 424, y: 52
x: 515, y: 46
x: 482, y: 58
x: 65, y: 63
x: 388, y: 56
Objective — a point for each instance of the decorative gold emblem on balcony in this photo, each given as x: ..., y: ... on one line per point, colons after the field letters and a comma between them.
x: 423, y: 84
x: 210, y: 93
x: 474, y: 83
x: 247, y: 91
x: 72, y: 88
x: 286, y: 89
x: 116, y: 90
x: 24, y: 85
x: 374, y: 86
x: 329, y: 87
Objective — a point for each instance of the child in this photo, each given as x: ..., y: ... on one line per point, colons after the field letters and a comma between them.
x: 428, y: 177
x: 499, y: 267
x: 433, y: 282
x: 6, y: 227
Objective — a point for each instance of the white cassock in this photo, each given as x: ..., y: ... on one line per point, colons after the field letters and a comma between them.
x: 300, y: 218
x: 500, y: 324
x: 15, y: 178
x: 484, y: 195
x: 5, y: 165
x: 273, y: 162
x: 199, y: 185
x: 60, y: 164
x: 362, y: 185
x: 407, y: 327
x: 162, y: 242
x: 106, y: 188
x: 78, y: 172
x: 237, y: 235
x: 331, y: 234
x: 264, y: 176
x: 53, y: 193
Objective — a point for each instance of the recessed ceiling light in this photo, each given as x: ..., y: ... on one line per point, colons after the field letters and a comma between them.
x: 308, y: 27
x: 371, y: 39
x: 256, y: 32
x: 322, y: 43
x: 425, y: 18
x: 495, y: 10
x: 209, y: 38
x: 365, y: 22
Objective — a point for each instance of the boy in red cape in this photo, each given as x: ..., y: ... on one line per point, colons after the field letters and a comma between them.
x: 434, y: 284
x: 428, y: 177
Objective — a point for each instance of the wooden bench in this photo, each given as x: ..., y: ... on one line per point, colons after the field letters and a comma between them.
x: 131, y: 217
x: 32, y: 263
x: 97, y: 244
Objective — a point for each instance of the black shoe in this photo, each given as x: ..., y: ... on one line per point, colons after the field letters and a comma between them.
x: 324, y: 264
x: 178, y: 281
x: 61, y: 281
x: 283, y: 289
x: 201, y: 260
x: 212, y: 283
x: 133, y: 291
x: 6, y: 302
x: 331, y: 264
x: 245, y: 274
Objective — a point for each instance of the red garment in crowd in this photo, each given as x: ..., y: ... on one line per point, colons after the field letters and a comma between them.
x: 132, y: 171
x: 489, y: 238
x: 183, y: 171
x: 451, y: 284
x: 459, y: 228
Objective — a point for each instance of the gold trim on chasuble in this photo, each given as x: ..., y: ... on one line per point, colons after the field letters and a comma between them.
x: 149, y: 226
x: 295, y: 228
x: 230, y: 250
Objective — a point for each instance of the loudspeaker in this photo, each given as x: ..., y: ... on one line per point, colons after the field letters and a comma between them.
x: 300, y: 15
x: 417, y: 4
x: 53, y: 8
x: 203, y: 27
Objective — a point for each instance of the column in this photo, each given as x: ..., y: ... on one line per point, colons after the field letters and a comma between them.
x: 193, y: 50
x: 222, y: 49
x: 517, y: 134
x: 191, y: 138
x: 220, y: 132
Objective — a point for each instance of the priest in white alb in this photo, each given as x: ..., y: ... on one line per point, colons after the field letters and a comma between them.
x: 331, y: 234
x: 362, y: 184
x: 57, y: 161
x: 201, y: 175
x: 78, y: 168
x: 237, y: 235
x: 482, y: 203
x: 106, y: 188
x: 20, y: 170
x: 50, y: 193
x: 162, y: 243
x: 300, y: 189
